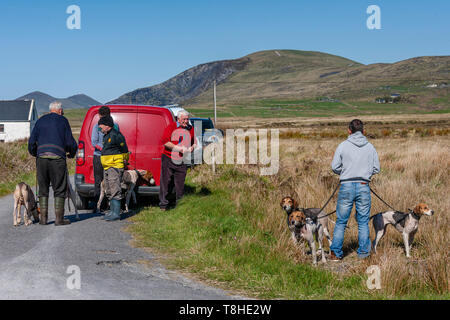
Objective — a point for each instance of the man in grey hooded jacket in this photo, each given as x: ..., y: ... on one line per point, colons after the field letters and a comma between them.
x: 356, y: 161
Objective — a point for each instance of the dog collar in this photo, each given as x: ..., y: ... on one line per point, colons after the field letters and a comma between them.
x: 414, y: 214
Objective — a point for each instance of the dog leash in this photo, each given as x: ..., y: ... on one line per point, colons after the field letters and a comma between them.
x: 371, y: 190
x: 328, y: 214
x: 323, y: 207
x: 329, y: 199
x: 337, y: 187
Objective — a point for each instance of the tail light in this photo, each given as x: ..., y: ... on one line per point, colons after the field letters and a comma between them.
x: 80, y: 154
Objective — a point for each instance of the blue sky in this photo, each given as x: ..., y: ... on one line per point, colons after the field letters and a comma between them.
x: 125, y: 45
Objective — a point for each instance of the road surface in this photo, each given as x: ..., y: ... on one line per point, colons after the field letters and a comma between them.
x: 35, y: 261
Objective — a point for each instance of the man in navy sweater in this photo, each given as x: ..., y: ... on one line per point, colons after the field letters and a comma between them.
x: 50, y: 141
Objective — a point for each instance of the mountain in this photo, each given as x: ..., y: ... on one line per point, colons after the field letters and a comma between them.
x: 288, y: 74
x: 186, y: 85
x: 317, y: 75
x: 83, y: 100
x: 42, y: 101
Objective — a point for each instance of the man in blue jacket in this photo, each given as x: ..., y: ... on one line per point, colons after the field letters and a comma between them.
x: 97, y: 142
x: 50, y: 141
x: 356, y: 161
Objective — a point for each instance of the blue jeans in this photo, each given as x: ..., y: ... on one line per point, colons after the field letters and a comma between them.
x: 349, y: 193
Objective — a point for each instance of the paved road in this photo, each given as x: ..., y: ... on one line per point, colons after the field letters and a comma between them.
x: 34, y: 261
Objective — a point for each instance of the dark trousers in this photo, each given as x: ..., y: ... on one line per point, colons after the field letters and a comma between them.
x: 52, y: 171
x: 169, y: 171
x: 98, y: 175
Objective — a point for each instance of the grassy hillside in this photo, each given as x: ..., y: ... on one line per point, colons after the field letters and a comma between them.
x: 285, y: 77
x: 278, y: 74
x: 268, y: 83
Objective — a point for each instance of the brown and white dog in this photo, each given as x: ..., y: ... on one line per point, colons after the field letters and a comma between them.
x: 405, y: 223
x: 23, y: 195
x: 306, y: 224
x: 130, y: 179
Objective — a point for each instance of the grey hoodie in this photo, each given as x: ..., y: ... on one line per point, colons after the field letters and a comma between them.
x: 355, y: 159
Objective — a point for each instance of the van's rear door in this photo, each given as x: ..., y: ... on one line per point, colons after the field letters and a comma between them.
x: 151, y: 122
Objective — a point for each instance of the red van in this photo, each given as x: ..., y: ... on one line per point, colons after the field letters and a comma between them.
x: 142, y: 127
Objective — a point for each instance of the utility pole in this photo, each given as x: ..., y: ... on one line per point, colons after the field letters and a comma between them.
x: 215, y: 108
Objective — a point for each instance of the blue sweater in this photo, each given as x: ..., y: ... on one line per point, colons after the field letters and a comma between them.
x: 52, y: 133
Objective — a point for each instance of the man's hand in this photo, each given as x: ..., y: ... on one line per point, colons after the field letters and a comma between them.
x: 182, y: 149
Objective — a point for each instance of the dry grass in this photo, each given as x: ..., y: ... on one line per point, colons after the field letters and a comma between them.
x: 374, y: 133
x: 17, y: 165
x: 413, y: 170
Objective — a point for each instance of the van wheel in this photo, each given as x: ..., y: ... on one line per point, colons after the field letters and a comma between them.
x: 81, y: 202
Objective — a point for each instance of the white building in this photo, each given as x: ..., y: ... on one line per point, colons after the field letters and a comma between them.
x: 17, y: 119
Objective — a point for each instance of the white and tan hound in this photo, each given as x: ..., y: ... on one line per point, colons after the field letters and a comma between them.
x: 405, y: 223
x: 306, y: 224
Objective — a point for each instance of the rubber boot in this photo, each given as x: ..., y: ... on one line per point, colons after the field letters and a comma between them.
x: 107, y: 213
x: 59, y: 212
x: 43, y: 207
x: 114, y: 214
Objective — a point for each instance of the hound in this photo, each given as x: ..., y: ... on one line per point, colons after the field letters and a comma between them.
x: 306, y: 224
x: 23, y: 195
x: 405, y: 223
x: 130, y: 179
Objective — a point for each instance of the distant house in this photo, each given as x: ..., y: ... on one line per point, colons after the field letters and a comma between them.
x: 437, y: 85
x: 17, y: 119
x: 395, y: 97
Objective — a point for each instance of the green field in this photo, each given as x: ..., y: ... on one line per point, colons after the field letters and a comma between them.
x: 271, y: 108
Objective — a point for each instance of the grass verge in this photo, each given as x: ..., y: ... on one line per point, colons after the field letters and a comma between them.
x: 220, y: 233
x: 17, y: 165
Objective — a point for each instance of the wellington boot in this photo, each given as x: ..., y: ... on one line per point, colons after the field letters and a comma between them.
x: 43, y: 208
x: 59, y: 212
x: 114, y: 214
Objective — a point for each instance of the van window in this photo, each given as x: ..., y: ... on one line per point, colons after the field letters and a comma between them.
x: 205, y: 123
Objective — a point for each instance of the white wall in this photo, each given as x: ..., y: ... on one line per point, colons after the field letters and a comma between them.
x: 15, y: 131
